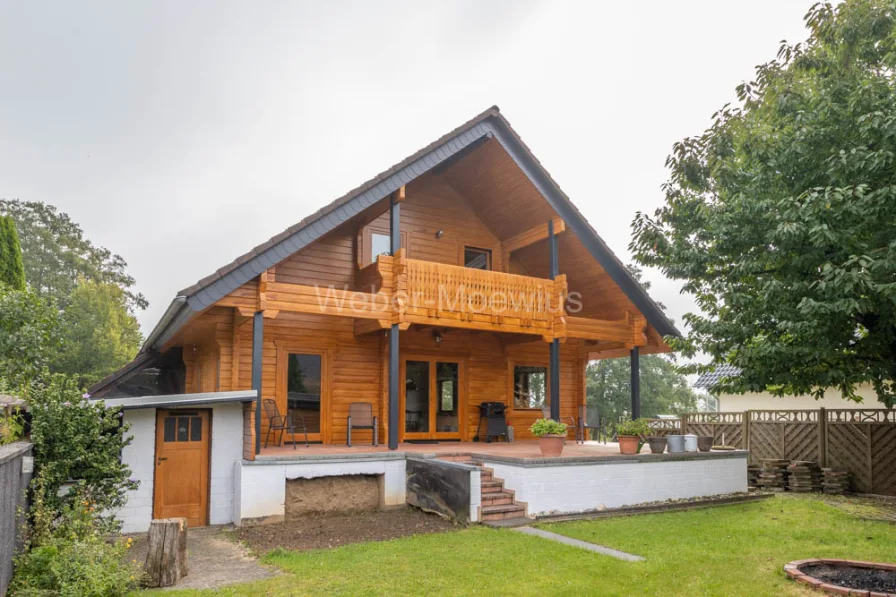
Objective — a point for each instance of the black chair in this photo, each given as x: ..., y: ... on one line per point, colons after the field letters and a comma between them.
x: 570, y: 421
x: 277, y: 422
x: 589, y: 421
x: 360, y: 416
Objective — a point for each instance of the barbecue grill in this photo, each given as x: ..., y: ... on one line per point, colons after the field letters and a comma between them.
x: 495, y: 423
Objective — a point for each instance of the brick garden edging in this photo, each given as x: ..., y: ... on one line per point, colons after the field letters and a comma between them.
x: 794, y: 571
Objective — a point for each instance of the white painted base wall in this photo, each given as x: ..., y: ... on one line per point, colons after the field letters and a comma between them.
x: 261, y: 485
x: 582, y: 487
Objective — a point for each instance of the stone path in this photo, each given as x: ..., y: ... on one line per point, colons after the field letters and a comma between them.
x: 607, y: 551
x: 214, y: 559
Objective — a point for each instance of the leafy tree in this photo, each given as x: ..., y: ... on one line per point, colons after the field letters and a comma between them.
x: 664, y: 391
x: 30, y: 336
x: 56, y: 254
x: 781, y: 217
x: 12, y: 272
x: 100, y: 334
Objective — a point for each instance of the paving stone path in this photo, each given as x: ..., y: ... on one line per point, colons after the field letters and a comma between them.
x: 214, y: 559
x: 607, y: 551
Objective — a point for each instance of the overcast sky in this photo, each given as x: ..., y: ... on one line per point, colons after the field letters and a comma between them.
x: 181, y: 134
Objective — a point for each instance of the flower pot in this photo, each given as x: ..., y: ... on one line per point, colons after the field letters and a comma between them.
x: 690, y: 443
x: 675, y: 443
x: 629, y: 444
x: 657, y: 444
x: 551, y: 445
x: 704, y: 443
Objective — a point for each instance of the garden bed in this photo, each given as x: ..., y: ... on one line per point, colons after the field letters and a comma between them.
x: 323, y: 531
x: 832, y: 576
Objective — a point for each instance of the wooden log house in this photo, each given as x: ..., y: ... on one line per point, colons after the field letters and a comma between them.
x: 461, y: 275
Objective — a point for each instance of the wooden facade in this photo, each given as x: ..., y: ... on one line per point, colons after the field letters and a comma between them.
x: 466, y: 255
x: 333, y: 303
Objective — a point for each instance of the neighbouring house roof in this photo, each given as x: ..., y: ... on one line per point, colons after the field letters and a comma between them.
x: 708, y: 380
x: 490, y: 124
x: 133, y: 402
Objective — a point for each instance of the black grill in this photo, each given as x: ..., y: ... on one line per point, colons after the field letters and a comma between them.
x: 495, y: 423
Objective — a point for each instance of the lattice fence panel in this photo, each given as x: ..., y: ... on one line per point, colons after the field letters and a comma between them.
x: 664, y: 427
x: 883, y: 458
x: 848, y: 449
x: 766, y: 441
x: 722, y: 427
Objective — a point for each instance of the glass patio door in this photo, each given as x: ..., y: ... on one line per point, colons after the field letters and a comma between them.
x: 431, y: 399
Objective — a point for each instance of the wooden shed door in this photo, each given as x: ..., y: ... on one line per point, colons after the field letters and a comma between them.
x: 182, y: 459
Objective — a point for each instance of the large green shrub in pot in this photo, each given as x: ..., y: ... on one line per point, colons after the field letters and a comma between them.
x: 543, y: 427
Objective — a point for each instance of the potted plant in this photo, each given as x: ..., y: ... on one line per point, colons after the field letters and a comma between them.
x: 657, y: 444
x: 629, y: 434
x: 551, y: 436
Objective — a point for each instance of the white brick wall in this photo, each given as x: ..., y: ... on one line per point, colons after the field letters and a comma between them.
x: 140, y: 457
x: 226, y: 450
x: 262, y: 484
x: 583, y: 487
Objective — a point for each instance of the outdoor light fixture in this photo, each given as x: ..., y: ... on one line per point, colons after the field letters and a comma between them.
x: 439, y: 233
x: 438, y: 338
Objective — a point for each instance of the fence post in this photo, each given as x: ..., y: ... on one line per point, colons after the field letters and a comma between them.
x: 683, y: 424
x: 822, y: 437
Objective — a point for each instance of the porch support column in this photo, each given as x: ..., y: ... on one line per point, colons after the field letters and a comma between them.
x: 636, y: 383
x: 257, y: 345
x: 554, y: 374
x: 394, y: 247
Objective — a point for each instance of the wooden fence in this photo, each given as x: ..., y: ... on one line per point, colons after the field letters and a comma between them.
x: 862, y: 442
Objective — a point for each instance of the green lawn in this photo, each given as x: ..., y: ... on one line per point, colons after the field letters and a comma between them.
x: 726, y: 551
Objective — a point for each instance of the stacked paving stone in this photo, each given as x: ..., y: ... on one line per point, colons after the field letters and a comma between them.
x: 835, y: 482
x: 804, y: 476
x: 753, y: 471
x: 773, y: 476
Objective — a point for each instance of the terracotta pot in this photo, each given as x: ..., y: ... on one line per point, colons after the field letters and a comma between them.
x: 628, y: 444
x: 551, y: 445
x: 704, y: 443
x: 657, y: 444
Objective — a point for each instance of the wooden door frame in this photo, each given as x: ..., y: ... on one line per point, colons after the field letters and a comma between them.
x: 284, y: 349
x: 161, y: 413
x: 432, y: 358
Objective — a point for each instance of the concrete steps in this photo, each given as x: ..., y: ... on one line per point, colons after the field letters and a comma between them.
x: 498, y: 505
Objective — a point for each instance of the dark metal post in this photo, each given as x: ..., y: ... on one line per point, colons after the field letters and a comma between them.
x: 636, y: 383
x: 555, y: 343
x: 394, y: 246
x: 257, y: 346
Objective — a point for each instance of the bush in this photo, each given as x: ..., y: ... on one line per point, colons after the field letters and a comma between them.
x: 637, y: 427
x: 78, y: 439
x: 69, y: 554
x: 543, y: 427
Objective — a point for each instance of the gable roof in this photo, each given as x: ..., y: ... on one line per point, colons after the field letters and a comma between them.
x: 490, y: 124
x: 711, y: 378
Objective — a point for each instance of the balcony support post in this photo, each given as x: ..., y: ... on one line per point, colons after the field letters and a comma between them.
x: 636, y: 382
x: 554, y: 374
x: 394, y: 246
x: 257, y: 347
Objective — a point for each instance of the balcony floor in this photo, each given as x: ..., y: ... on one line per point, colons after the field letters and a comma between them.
x: 525, y: 449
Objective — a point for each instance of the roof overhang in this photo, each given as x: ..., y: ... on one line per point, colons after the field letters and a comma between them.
x: 173, y: 400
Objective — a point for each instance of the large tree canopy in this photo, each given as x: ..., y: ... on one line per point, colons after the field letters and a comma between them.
x: 99, y: 333
x: 57, y: 256
x: 781, y: 217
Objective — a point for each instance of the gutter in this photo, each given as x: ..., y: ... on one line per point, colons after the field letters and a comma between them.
x: 164, y: 328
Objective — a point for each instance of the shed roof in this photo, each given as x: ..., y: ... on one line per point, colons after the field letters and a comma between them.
x: 205, y: 398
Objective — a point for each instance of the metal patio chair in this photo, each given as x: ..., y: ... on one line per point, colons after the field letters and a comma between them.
x: 570, y: 421
x: 277, y: 422
x: 360, y: 416
x: 589, y: 419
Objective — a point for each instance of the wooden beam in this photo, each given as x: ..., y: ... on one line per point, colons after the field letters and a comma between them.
x: 262, y: 290
x: 400, y: 194
x: 529, y: 237
x: 599, y: 329
x: 364, y: 327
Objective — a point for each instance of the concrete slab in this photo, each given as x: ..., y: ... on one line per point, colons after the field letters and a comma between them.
x: 606, y: 551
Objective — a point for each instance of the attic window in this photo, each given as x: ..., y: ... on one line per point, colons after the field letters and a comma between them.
x: 477, y: 258
x: 379, y: 245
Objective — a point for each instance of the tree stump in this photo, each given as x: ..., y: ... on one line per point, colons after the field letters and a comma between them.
x: 166, y: 560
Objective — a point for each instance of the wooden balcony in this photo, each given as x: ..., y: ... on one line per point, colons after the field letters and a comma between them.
x: 398, y: 290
